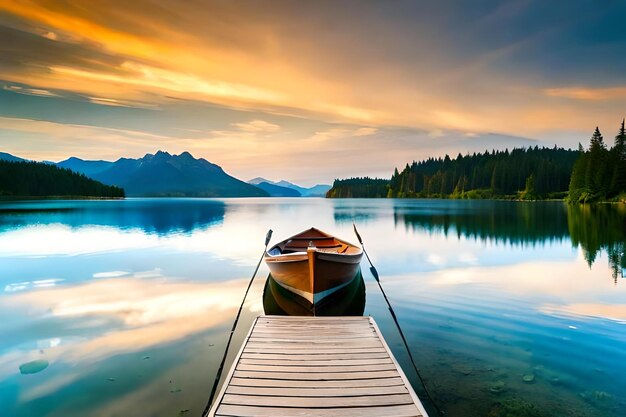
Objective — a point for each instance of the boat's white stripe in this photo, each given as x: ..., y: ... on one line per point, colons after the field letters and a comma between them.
x: 304, y: 294
x: 319, y: 296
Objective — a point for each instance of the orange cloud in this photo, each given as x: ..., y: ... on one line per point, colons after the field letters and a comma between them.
x: 587, y: 93
x: 259, y: 58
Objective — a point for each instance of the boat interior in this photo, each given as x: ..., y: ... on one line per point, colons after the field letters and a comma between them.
x: 314, y: 238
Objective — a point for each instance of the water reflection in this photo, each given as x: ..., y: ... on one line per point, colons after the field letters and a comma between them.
x: 594, y: 228
x: 160, y: 216
x: 131, y: 301
x: 503, y: 222
x: 135, y: 324
x: 597, y: 228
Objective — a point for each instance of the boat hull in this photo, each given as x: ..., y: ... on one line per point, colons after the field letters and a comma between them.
x: 314, y: 275
x: 346, y: 301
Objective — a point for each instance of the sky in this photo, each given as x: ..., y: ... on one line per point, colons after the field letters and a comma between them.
x: 307, y: 91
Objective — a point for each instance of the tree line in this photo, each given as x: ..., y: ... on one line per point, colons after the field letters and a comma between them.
x: 599, y: 174
x: 36, y: 179
x: 533, y: 173
x: 359, y: 188
x: 520, y: 173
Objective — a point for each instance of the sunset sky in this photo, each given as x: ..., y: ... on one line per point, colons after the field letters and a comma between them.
x: 307, y: 91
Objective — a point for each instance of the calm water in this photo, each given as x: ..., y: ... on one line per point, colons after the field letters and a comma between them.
x: 511, y: 309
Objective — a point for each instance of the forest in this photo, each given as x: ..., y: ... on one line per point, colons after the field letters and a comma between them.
x: 36, y: 179
x: 534, y: 173
x: 599, y: 174
x: 359, y: 187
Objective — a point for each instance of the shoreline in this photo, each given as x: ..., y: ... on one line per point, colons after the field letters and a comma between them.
x: 57, y: 197
x: 564, y: 200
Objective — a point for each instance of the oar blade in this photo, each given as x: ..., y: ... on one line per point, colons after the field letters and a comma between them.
x: 356, y: 232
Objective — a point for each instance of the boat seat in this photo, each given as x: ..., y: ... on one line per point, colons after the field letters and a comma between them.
x: 304, y: 247
x: 311, y: 238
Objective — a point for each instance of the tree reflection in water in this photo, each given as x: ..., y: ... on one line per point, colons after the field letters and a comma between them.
x: 593, y: 228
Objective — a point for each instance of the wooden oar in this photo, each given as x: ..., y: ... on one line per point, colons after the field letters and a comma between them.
x: 268, y: 236
x: 395, y: 319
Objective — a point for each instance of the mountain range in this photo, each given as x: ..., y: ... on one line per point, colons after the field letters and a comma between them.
x: 318, y: 190
x: 8, y: 157
x: 276, y: 190
x: 165, y: 175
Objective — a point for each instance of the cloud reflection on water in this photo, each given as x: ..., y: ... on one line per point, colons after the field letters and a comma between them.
x: 122, y: 315
x: 552, y: 287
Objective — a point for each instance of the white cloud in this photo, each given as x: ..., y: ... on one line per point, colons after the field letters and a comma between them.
x: 50, y: 35
x: 257, y: 126
x: 342, y: 132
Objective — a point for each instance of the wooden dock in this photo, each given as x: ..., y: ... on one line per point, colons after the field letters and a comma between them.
x: 316, y: 366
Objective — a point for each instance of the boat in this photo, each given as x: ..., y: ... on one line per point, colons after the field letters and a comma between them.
x: 313, y: 264
x: 346, y: 301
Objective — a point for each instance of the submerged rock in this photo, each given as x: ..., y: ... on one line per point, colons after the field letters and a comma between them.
x: 463, y: 369
x: 515, y: 407
x: 33, y: 367
x: 498, y: 387
x: 601, y: 395
x: 595, y: 396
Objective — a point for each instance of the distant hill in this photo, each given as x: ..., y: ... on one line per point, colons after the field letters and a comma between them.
x: 8, y: 157
x: 36, y: 179
x: 259, y: 180
x: 163, y: 175
x: 278, y: 191
x: 318, y: 190
x: 88, y: 168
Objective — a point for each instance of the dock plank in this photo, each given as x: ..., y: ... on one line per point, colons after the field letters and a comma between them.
x: 308, y: 402
x: 312, y: 366
x: 316, y: 369
x: 317, y: 391
x: 345, y: 383
x: 312, y: 356
x: 252, y: 411
x: 315, y: 362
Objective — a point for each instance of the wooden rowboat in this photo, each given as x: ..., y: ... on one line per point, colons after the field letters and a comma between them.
x: 313, y: 264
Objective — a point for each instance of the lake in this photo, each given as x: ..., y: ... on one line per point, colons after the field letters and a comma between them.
x: 123, y: 308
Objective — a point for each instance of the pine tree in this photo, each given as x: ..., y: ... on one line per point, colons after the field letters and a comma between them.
x: 529, y: 190
x: 620, y: 141
x: 577, y: 190
x: 596, y: 180
x: 618, y: 162
x: 597, y: 142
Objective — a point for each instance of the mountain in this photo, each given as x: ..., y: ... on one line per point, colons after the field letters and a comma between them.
x: 166, y: 175
x: 259, y: 180
x: 81, y: 166
x: 318, y: 190
x: 278, y: 191
x: 8, y: 157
